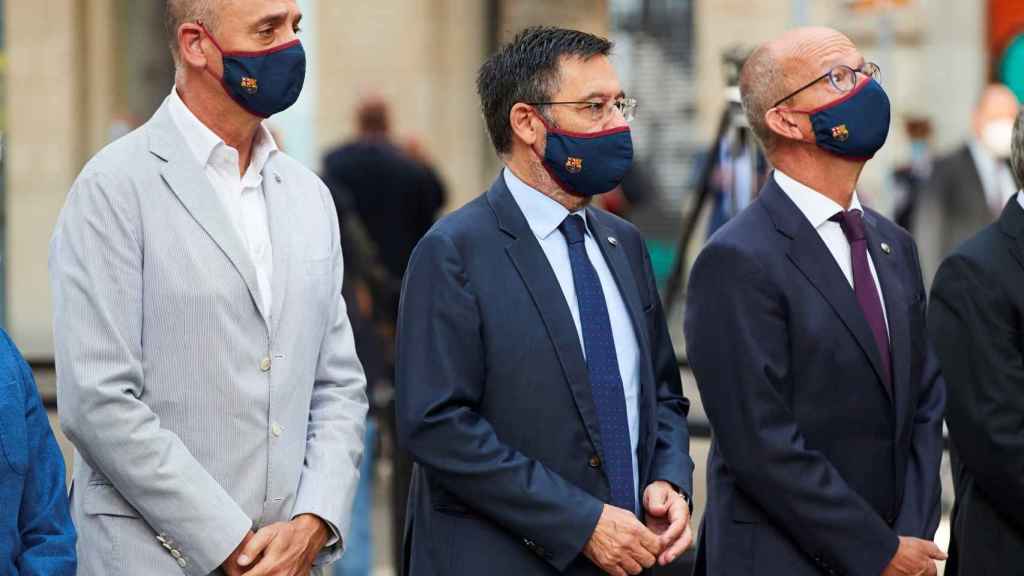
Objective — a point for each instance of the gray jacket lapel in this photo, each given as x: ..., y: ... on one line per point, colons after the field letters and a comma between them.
x: 278, y: 217
x: 186, y: 178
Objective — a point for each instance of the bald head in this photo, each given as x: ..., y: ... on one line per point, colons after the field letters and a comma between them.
x: 997, y: 103
x: 784, y: 64
x: 179, y: 12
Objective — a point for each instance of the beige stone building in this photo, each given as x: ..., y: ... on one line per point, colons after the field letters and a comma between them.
x: 80, y: 72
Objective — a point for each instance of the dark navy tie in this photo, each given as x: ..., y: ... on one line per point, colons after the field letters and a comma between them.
x: 602, y: 367
x: 864, y: 287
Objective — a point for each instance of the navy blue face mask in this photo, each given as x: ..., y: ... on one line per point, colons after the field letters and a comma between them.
x: 854, y: 126
x: 588, y: 164
x: 264, y: 82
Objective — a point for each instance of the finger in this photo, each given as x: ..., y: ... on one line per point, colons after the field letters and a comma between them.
x: 272, y: 558
x: 934, y: 551
x: 631, y: 566
x: 642, y: 556
x: 648, y: 539
x: 256, y: 545
x: 932, y: 569
x: 677, y: 517
x: 656, y: 500
x: 614, y: 570
x: 678, y: 547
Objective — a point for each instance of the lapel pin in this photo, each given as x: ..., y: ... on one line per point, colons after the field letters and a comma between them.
x: 613, y: 241
x: 886, y: 248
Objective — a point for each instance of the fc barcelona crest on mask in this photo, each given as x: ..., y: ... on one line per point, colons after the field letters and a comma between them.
x: 249, y: 85
x: 573, y: 165
x: 840, y: 133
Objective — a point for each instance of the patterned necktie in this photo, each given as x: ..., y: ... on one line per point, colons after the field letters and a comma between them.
x: 602, y: 367
x: 852, y: 223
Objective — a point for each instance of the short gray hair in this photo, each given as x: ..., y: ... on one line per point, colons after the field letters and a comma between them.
x: 1017, y: 150
x: 760, y: 88
x: 179, y: 12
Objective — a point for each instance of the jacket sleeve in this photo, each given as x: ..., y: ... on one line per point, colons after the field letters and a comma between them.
x: 441, y: 372
x: 922, y: 491
x: 672, y: 462
x: 44, y: 521
x: 96, y: 265
x: 337, y: 418
x: 737, y: 344
x: 976, y: 333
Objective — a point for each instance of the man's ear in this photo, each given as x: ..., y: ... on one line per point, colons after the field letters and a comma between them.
x: 786, y: 123
x: 525, y: 125
x: 190, y: 45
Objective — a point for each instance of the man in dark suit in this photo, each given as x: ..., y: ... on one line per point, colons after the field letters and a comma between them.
x: 968, y: 188
x: 537, y: 387
x: 805, y: 331
x: 975, y: 318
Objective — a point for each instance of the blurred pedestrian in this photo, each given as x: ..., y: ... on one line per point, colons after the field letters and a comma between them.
x: 975, y: 319
x: 37, y: 537
x: 911, y: 177
x: 537, y: 387
x: 395, y: 196
x: 805, y: 332
x: 205, y: 361
x: 968, y: 188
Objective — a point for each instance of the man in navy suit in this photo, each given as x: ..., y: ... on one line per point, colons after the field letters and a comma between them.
x: 805, y: 330
x: 537, y: 388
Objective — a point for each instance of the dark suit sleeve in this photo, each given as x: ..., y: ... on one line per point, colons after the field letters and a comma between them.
x: 672, y: 461
x: 978, y: 344
x: 47, y: 534
x: 921, y: 509
x: 737, y: 342
x: 441, y: 371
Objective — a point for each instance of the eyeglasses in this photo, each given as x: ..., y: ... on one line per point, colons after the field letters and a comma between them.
x: 841, y: 77
x: 600, y: 111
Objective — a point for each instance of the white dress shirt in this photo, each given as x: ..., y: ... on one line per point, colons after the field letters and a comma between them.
x: 1020, y: 198
x: 818, y: 208
x: 242, y: 196
x: 995, y: 176
x: 544, y: 215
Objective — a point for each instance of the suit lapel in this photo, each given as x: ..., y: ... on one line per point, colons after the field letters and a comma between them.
x: 186, y: 178
x: 278, y: 217
x: 887, y: 266
x: 810, y: 255
x: 532, y: 265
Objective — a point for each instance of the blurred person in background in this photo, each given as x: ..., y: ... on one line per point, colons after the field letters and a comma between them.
x: 911, y: 177
x: 968, y: 188
x: 37, y: 537
x: 975, y: 319
x: 395, y: 198
x: 537, y: 387
x: 805, y: 331
x: 206, y: 372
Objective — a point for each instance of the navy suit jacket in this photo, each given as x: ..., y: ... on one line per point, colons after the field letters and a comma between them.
x: 37, y: 537
x: 494, y: 401
x: 816, y: 467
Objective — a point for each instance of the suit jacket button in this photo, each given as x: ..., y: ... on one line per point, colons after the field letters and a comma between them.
x: 595, y: 461
x: 265, y: 364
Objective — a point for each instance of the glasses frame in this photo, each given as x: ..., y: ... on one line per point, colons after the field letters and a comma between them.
x: 831, y: 79
x: 626, y: 105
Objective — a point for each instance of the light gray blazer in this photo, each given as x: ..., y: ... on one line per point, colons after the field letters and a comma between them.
x: 194, y: 419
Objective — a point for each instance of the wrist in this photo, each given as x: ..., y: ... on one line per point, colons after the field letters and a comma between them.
x: 312, y: 525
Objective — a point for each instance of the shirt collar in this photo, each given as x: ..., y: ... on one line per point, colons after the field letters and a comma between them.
x: 815, y: 206
x: 203, y: 141
x: 542, y: 212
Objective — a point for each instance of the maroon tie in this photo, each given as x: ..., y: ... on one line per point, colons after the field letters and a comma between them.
x: 852, y: 223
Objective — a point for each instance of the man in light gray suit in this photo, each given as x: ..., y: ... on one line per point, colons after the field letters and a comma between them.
x: 206, y: 369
